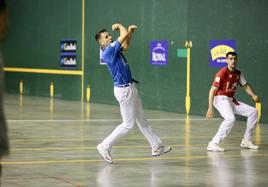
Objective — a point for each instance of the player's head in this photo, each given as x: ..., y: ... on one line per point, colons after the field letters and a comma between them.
x: 103, y: 37
x: 3, y: 19
x: 231, y: 58
x: 231, y: 53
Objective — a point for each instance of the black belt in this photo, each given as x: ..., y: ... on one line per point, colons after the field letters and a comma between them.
x: 128, y: 84
x: 123, y: 85
x: 135, y: 81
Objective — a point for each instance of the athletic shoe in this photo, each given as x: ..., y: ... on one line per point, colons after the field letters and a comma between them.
x: 161, y: 150
x: 106, y: 154
x: 248, y: 144
x: 214, y: 147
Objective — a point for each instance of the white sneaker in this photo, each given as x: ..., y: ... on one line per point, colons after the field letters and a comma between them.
x: 106, y: 154
x: 214, y: 147
x: 161, y: 150
x: 248, y: 144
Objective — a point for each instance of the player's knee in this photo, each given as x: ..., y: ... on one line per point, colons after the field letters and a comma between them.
x: 230, y: 119
x: 254, y: 112
x: 129, y: 125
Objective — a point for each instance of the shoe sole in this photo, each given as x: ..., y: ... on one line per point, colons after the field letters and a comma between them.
x: 108, y: 161
x: 213, y: 150
x: 245, y: 147
x: 164, y: 152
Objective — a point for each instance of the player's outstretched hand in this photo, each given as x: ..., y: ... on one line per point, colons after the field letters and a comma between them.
x: 132, y: 28
x: 210, y: 114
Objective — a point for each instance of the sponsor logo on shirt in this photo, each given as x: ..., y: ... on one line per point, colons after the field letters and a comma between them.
x: 217, y: 79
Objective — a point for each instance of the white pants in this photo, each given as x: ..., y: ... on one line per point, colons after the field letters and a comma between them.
x: 131, y: 112
x: 228, y: 109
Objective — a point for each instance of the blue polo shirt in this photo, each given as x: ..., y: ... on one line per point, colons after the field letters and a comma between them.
x: 117, y: 64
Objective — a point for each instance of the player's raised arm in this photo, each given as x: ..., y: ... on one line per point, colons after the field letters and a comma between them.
x: 130, y: 30
x: 123, y: 32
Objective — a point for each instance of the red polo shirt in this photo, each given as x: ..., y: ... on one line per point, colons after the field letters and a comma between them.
x: 227, y: 81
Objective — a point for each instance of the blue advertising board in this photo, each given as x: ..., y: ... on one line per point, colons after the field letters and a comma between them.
x: 68, y: 60
x: 218, y: 50
x: 159, y: 53
x: 68, y: 56
x: 101, y: 60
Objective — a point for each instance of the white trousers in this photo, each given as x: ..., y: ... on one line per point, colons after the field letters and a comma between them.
x: 131, y: 112
x: 228, y: 109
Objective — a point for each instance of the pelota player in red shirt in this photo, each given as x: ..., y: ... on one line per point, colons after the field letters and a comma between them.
x: 221, y: 95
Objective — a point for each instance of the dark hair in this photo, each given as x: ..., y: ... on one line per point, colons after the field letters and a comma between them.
x: 98, y: 34
x: 2, y: 5
x: 231, y: 53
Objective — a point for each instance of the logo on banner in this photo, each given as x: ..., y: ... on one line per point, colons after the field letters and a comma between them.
x: 159, y: 52
x: 218, y: 50
x: 68, y: 60
x: 68, y: 45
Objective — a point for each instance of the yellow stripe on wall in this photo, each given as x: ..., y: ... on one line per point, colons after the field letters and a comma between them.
x: 83, y: 50
x: 44, y: 71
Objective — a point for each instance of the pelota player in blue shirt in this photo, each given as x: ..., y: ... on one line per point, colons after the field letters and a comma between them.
x: 125, y: 92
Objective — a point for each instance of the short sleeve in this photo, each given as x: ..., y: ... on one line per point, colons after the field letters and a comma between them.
x: 217, y: 80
